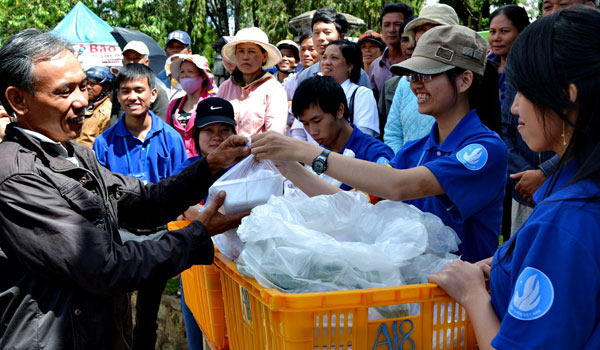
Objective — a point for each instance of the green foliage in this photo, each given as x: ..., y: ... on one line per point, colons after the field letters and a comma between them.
x: 171, y: 287
x: 17, y: 15
x: 207, y: 20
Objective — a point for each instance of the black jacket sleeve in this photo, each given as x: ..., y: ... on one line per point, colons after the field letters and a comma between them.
x: 53, y: 232
x: 152, y: 205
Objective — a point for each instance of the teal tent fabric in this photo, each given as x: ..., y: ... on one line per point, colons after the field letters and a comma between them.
x: 81, y: 25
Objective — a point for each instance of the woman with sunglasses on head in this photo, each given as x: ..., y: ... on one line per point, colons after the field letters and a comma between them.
x: 457, y: 172
x: 545, y: 281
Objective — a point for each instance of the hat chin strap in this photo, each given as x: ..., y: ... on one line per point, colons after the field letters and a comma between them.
x: 284, y: 71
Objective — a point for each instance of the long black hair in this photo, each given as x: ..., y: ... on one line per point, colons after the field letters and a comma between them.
x: 552, y: 53
x: 482, y: 95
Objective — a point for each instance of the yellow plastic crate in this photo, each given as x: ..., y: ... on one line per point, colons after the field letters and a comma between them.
x: 260, y: 319
x: 203, y: 295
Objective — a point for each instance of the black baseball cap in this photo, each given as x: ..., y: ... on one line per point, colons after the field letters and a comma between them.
x: 214, y: 110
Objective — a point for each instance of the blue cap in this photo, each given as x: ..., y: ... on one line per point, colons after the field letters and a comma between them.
x: 180, y: 36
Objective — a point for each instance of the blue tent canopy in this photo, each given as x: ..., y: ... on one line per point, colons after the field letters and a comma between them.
x: 81, y: 25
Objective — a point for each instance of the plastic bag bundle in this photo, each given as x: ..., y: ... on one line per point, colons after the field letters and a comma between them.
x: 339, y: 242
x: 248, y: 183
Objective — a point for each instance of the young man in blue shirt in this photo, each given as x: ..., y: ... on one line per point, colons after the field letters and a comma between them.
x: 321, y: 106
x: 141, y: 145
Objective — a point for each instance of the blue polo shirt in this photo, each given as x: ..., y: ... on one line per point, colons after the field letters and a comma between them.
x: 547, y: 290
x: 366, y: 147
x: 186, y: 163
x: 470, y: 165
x: 150, y: 160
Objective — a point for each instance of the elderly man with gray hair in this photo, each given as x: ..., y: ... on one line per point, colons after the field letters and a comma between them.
x: 65, y: 272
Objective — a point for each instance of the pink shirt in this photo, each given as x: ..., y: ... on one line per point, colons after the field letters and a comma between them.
x: 187, y: 132
x: 259, y: 107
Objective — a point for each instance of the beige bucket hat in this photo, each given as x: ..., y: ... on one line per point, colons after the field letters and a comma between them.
x: 443, y: 48
x: 440, y: 14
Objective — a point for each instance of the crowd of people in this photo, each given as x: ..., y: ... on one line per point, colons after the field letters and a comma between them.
x: 500, y: 139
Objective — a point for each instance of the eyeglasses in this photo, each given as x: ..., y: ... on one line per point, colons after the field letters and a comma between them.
x: 414, y: 77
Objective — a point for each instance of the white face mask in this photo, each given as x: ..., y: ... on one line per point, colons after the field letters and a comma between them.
x: 191, y: 85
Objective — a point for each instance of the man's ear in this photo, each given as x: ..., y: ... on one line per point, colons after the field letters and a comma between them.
x: 464, y: 81
x: 340, y: 112
x: 17, y: 100
x: 153, y: 95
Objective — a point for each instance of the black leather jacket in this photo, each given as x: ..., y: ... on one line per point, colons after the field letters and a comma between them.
x: 65, y: 275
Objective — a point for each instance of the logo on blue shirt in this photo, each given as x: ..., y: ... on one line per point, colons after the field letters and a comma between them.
x: 473, y: 156
x: 383, y: 161
x: 533, y: 295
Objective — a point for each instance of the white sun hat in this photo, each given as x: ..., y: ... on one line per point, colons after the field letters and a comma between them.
x: 256, y: 36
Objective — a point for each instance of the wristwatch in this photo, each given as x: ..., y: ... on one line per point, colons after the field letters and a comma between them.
x: 319, y: 164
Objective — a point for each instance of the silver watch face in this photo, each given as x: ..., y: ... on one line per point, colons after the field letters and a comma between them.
x: 318, y: 166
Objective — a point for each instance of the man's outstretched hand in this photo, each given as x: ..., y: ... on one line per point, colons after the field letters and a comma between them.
x: 216, y: 222
x: 229, y: 152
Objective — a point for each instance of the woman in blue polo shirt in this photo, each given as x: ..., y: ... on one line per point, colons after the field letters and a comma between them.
x: 458, y: 171
x: 545, y: 281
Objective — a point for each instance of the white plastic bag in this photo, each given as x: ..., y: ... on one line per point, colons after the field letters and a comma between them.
x: 337, y: 242
x: 248, y: 183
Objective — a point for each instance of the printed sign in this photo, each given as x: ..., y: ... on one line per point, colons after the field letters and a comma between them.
x: 246, y: 310
x: 106, y: 54
x: 400, y: 339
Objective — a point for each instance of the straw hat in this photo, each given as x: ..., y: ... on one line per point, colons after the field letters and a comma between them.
x: 255, y: 36
x: 199, y: 61
x: 289, y: 44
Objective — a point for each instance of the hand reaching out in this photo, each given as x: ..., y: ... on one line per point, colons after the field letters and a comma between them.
x: 216, y: 222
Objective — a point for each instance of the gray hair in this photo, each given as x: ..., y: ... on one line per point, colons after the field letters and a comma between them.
x: 19, y: 55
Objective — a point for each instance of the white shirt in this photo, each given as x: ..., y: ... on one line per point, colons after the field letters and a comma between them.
x: 60, y: 149
x: 366, y: 116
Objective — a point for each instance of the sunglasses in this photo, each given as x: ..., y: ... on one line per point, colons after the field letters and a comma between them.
x: 415, y: 77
